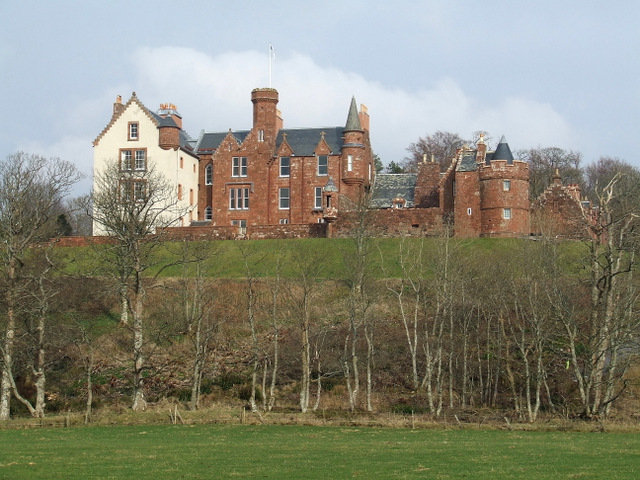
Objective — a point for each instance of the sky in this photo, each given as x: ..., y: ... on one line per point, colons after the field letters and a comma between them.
x: 544, y: 73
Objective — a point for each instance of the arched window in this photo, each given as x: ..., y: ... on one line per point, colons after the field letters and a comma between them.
x: 208, y: 175
x: 207, y: 213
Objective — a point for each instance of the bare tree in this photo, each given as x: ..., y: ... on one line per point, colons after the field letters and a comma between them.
x: 599, y: 343
x: 32, y: 187
x: 442, y: 145
x: 357, y: 260
x: 274, y: 286
x: 307, y: 267
x: 133, y: 207
x: 543, y: 164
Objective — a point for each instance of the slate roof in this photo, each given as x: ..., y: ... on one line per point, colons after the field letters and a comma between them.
x: 210, y: 141
x: 388, y: 186
x: 353, y: 119
x: 468, y: 162
x: 303, y: 141
x: 503, y: 152
x: 186, y: 142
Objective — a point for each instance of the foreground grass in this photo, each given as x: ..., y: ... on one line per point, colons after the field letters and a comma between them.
x: 240, y: 451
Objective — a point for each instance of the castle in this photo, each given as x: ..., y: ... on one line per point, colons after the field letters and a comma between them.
x: 275, y: 182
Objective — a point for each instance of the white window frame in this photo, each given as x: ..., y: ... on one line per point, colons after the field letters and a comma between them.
x: 317, y: 203
x: 506, y: 185
x: 126, y: 160
x: 208, y: 213
x: 208, y: 175
x: 241, y: 224
x: 239, y: 166
x: 349, y: 163
x: 134, y: 131
x: 284, y: 221
x: 239, y: 198
x: 140, y: 159
x: 285, y: 170
x: 323, y: 165
x: 284, y: 198
x: 506, y: 213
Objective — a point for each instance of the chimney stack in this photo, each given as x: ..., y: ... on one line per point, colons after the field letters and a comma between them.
x: 118, y: 106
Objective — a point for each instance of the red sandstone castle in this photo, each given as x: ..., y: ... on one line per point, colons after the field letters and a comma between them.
x: 271, y: 181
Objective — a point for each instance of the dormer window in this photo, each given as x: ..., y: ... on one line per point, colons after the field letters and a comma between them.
x: 133, y: 131
x: 398, y: 202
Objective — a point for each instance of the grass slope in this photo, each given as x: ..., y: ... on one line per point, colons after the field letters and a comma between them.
x: 237, y: 451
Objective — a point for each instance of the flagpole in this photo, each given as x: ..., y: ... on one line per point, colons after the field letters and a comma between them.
x: 270, y: 49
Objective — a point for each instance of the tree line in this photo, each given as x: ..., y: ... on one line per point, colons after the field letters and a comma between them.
x: 544, y: 163
x: 434, y: 324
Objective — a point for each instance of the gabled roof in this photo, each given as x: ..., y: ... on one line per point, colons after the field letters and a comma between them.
x: 389, y: 186
x: 303, y: 141
x: 114, y: 118
x: 186, y: 142
x: 210, y: 141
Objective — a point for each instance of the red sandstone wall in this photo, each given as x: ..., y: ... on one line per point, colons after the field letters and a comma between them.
x: 494, y: 199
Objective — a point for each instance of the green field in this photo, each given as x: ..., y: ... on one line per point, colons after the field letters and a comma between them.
x: 292, y: 452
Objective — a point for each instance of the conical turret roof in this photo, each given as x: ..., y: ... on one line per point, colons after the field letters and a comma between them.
x: 353, y: 119
x: 503, y: 152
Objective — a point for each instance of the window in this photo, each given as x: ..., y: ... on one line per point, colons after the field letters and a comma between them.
x: 208, y: 175
x: 317, y: 204
x: 506, y: 185
x: 469, y: 211
x: 181, y: 162
x: 191, y: 196
x: 241, y: 224
x: 125, y: 160
x: 261, y: 135
x: 179, y: 191
x: 349, y: 163
x: 284, y: 221
x: 239, y: 168
x: 135, y: 190
x: 323, y: 165
x: 141, y: 159
x: 208, y: 213
x: 506, y: 213
x: 130, y: 159
x: 283, y: 194
x: 139, y: 191
x: 133, y: 131
x: 284, y: 166
x: 239, y: 198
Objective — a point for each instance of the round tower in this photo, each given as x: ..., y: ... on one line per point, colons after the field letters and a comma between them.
x: 354, y: 155
x: 504, y: 194
x: 265, y: 111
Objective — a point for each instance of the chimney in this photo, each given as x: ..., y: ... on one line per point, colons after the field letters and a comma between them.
x: 481, y: 153
x: 170, y: 110
x: 118, y: 106
x: 364, y: 117
x: 279, y: 121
